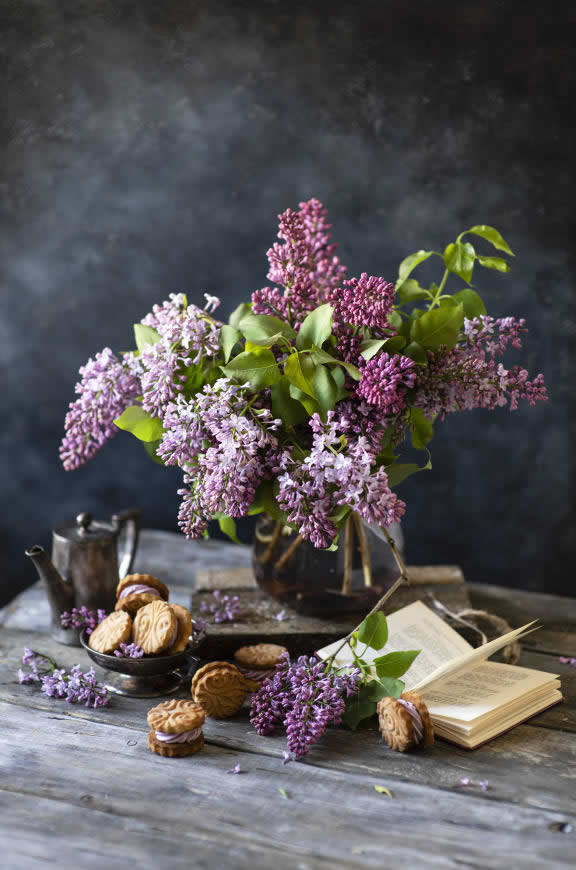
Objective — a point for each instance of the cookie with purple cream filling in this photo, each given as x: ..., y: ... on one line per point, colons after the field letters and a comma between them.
x: 176, y: 728
x: 258, y: 662
x: 136, y: 590
x: 405, y: 722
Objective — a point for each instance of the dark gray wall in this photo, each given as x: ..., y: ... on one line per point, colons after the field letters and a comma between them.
x: 148, y: 148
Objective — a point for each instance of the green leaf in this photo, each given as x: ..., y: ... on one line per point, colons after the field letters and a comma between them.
x: 284, y: 793
x: 459, y: 258
x: 409, y: 263
x: 259, y: 368
x: 496, y: 263
x: 358, y: 707
x: 471, y: 302
x: 411, y: 291
x: 265, y: 330
x: 398, y: 472
x: 325, y: 388
x: 239, y: 313
x: 395, y: 319
x: 194, y: 380
x: 311, y: 405
x: 395, y: 664
x: 340, y: 514
x: 228, y: 527
x: 316, y: 327
x: 145, y: 335
x: 417, y: 353
x: 151, y: 447
x: 373, y: 631
x: 229, y: 336
x: 265, y: 501
x: 491, y: 235
x: 371, y: 346
x: 289, y: 410
x: 381, y: 789
x: 441, y: 326
x: 300, y: 369
x: 339, y: 378
x: 421, y: 428
x: 141, y: 424
x: 384, y: 687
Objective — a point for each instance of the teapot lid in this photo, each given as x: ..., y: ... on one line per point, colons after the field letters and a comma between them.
x: 85, y: 530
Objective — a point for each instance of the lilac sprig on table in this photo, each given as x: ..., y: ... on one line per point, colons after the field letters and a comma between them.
x: 129, y: 650
x: 81, y: 617
x: 222, y: 607
x: 567, y: 660
x: 76, y: 687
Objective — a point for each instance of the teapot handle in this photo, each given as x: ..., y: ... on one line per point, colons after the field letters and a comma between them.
x: 129, y: 520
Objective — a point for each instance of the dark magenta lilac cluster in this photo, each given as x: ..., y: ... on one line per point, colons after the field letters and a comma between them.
x: 304, y: 697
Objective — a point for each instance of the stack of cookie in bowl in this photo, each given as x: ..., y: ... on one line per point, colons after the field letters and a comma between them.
x: 144, y: 617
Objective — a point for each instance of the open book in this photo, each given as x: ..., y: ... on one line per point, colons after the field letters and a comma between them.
x: 470, y: 699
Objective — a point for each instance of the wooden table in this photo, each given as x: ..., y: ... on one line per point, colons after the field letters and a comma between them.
x: 79, y: 788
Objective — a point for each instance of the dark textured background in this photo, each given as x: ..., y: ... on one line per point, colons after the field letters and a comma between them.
x: 148, y: 147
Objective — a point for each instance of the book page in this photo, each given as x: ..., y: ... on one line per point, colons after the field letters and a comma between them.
x: 413, y: 627
x: 471, y: 658
x: 487, y: 687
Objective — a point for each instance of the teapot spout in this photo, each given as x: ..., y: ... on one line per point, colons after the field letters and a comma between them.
x: 60, y: 593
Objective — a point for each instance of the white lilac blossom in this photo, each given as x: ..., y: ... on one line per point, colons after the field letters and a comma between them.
x: 306, y: 698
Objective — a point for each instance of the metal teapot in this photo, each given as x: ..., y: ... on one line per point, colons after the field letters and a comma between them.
x: 85, y: 565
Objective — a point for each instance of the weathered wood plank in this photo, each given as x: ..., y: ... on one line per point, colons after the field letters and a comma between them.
x: 518, y: 606
x: 534, y: 765
x: 109, y: 770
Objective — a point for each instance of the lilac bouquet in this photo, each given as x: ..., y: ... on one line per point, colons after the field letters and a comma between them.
x: 300, y: 405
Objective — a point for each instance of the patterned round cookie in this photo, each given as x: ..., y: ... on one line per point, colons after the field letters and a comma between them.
x: 133, y: 584
x: 405, y: 722
x: 220, y: 688
x: 260, y: 656
x: 174, y: 750
x: 132, y: 603
x: 184, y: 621
x: 155, y: 627
x: 176, y: 716
x: 111, y: 632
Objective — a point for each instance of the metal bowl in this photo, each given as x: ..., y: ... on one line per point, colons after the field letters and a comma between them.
x: 150, y: 676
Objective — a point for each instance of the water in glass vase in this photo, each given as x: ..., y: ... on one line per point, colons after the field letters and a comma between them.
x: 320, y: 582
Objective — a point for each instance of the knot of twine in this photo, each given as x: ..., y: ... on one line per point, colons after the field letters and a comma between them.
x: 496, y: 625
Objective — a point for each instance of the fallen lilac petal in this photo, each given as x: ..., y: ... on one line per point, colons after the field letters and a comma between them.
x: 281, y: 616
x: 235, y: 769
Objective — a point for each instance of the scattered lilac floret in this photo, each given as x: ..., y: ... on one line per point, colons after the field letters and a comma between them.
x: 566, y: 660
x: 82, y: 618
x: 235, y: 769
x: 222, y: 608
x: 129, y: 650
x: 281, y: 616
x: 465, y: 782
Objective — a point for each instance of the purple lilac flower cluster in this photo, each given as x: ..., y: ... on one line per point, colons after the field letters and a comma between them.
x: 75, y: 687
x: 225, y: 443
x: 81, y: 617
x: 304, y: 263
x: 338, y: 471
x: 222, y: 607
x: 364, y: 301
x: 129, y: 650
x: 106, y: 388
x: 305, y: 699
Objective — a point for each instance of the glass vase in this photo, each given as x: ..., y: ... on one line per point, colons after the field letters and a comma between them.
x: 322, y: 582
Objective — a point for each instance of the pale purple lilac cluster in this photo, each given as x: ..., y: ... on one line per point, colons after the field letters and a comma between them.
x: 129, y: 651
x: 75, y: 687
x: 304, y: 698
x: 222, y: 607
x: 340, y: 470
x: 226, y: 447
x: 106, y: 388
x: 81, y: 617
x: 303, y: 263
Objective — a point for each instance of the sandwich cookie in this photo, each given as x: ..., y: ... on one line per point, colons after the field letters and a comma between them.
x: 155, y: 627
x: 136, y: 590
x: 258, y: 662
x: 220, y: 689
x: 111, y: 632
x: 183, y: 629
x: 176, y: 728
x: 405, y: 722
